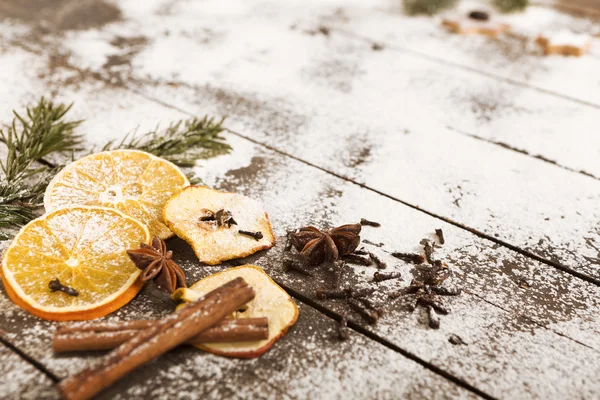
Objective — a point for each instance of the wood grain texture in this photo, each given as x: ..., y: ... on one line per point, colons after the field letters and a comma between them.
x: 20, y: 380
x: 306, y: 362
x: 498, y: 319
x: 375, y: 117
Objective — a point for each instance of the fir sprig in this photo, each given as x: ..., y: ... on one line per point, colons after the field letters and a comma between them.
x: 182, y: 142
x: 42, y: 131
x: 428, y: 7
x: 39, y: 132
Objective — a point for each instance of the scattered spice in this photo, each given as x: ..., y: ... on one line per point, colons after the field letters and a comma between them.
x: 378, y: 261
x: 55, y: 285
x: 479, y: 15
x: 367, y: 241
x: 256, y: 235
x: 156, y: 263
x: 220, y: 218
x: 426, y: 286
x: 410, y: 257
x: 293, y: 265
x: 357, y: 259
x: 523, y: 284
x: 376, y: 46
x: 380, y: 276
x: 370, y: 316
x: 343, y: 333
x: 324, y: 30
x: 318, y: 246
x: 456, y: 340
x: 440, y: 235
x: 366, y: 222
x: 324, y: 294
x: 429, y: 248
x: 360, y: 293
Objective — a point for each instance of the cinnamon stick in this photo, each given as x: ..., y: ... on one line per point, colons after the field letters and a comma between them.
x: 164, y: 335
x: 107, y: 336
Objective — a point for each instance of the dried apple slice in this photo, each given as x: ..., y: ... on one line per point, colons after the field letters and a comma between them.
x: 271, y: 301
x: 218, y: 225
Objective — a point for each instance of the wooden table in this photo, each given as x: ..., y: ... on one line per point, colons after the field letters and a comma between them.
x: 338, y: 110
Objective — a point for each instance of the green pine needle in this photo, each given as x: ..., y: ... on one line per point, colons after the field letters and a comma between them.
x: 511, y: 5
x: 37, y: 133
x: 182, y: 142
x: 427, y: 7
x: 42, y: 131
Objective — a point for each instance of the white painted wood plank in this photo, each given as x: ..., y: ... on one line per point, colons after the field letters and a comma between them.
x: 528, y: 324
x: 310, y: 95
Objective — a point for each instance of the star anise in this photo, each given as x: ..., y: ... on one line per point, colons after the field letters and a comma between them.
x: 156, y: 263
x: 426, y: 287
x: 220, y: 218
x: 318, y: 246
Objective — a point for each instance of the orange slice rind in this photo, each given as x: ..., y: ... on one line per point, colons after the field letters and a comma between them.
x: 134, y: 182
x: 85, y: 248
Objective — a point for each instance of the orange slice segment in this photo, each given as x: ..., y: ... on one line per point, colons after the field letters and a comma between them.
x: 85, y: 248
x: 271, y: 301
x: 134, y: 182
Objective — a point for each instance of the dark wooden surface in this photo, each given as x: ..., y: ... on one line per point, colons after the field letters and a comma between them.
x: 485, y: 139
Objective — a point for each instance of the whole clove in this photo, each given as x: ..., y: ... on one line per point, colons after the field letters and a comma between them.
x: 366, y: 222
x: 370, y: 316
x: 434, y: 320
x: 360, y: 293
x: 55, y: 285
x: 293, y: 265
x: 256, y: 235
x: 445, y: 291
x: 456, y: 340
x: 377, y: 261
x: 380, y: 276
x: 428, y: 302
x: 479, y: 15
x: 410, y: 257
x: 429, y: 248
x: 356, y: 259
x: 324, y: 294
x: 440, y: 235
x: 342, y: 330
x: 369, y: 304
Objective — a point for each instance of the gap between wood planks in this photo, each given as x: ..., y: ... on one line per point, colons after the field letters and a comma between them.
x: 527, y: 253
x: 454, y: 64
x: 522, y: 151
x: 483, y: 235
x: 35, y: 363
x: 375, y: 337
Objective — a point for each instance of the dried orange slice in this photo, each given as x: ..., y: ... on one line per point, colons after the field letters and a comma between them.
x: 271, y: 301
x: 134, y: 182
x: 188, y: 215
x: 85, y: 249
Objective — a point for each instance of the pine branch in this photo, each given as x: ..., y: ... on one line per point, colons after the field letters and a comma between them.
x: 39, y: 132
x: 182, y: 142
x: 511, y: 5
